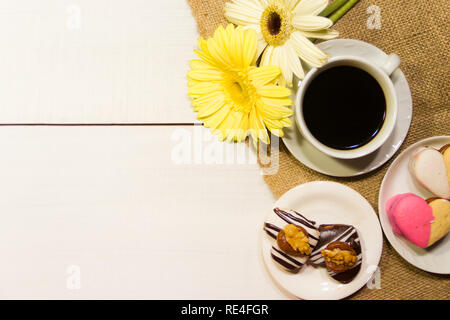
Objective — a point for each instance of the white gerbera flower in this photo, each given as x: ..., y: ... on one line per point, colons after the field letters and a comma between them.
x: 283, y: 28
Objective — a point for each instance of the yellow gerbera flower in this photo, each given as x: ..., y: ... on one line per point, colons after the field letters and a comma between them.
x: 232, y: 96
x: 283, y: 28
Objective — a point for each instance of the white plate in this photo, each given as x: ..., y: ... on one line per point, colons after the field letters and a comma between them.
x: 398, y: 180
x: 318, y: 161
x: 328, y: 202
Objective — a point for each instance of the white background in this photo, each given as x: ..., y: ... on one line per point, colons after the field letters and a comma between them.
x: 95, y: 61
x: 110, y: 200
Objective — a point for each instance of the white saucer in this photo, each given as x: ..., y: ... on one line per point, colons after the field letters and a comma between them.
x: 398, y: 180
x: 318, y: 161
x: 327, y: 203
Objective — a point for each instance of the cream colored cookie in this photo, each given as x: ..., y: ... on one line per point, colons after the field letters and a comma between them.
x: 445, y: 150
x: 428, y: 167
x: 441, y: 223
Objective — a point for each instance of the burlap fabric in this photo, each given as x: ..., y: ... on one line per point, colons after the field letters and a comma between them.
x: 417, y: 31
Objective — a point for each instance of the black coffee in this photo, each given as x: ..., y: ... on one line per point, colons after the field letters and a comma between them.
x: 344, y: 107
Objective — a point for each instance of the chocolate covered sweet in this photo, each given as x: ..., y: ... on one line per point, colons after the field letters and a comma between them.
x: 295, y: 238
x: 339, y: 256
x: 339, y: 250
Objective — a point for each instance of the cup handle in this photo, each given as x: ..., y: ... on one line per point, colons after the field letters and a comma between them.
x: 391, y: 64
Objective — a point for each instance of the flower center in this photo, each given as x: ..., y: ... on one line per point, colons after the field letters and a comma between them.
x: 239, y: 91
x: 276, y: 24
x: 236, y: 89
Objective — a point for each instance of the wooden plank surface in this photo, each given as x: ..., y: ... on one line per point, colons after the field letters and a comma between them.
x: 102, y: 61
x: 131, y: 212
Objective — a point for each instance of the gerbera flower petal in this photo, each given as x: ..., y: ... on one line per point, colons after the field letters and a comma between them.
x: 206, y: 58
x: 196, y: 64
x: 210, y: 108
x: 274, y: 91
x: 264, y: 75
x: 207, y: 99
x: 291, y: 4
x: 277, y: 101
x: 203, y: 45
x: 277, y: 132
x: 321, y: 34
x: 286, y: 122
x: 243, y: 11
x: 236, y: 47
x: 274, y: 58
x: 234, y: 132
x: 307, y: 50
x: 202, y: 88
x: 311, y: 23
x: 310, y: 7
x: 256, y: 4
x: 284, y: 65
x: 221, y: 43
x: 250, y: 46
x: 204, y: 74
x: 217, y: 118
x: 273, y: 124
x: 274, y: 111
x: 294, y: 61
x: 261, y: 42
x: 226, y: 127
x: 258, y: 129
x: 267, y: 56
x: 243, y: 131
x: 218, y: 52
x: 248, y: 7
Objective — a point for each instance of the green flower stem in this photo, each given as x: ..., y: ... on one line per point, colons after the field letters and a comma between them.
x: 332, y: 7
x: 339, y: 13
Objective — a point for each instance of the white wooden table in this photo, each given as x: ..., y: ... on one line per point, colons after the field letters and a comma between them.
x: 93, y: 210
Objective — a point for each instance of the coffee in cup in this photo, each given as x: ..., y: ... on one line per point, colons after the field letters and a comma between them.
x: 348, y: 107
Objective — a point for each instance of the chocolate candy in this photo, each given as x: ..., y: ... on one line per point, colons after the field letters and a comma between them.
x: 330, y: 233
x: 291, y: 263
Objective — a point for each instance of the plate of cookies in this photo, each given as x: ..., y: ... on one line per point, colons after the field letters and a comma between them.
x: 414, y: 204
x: 322, y: 240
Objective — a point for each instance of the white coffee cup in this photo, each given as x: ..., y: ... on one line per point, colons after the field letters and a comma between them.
x: 381, y: 73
